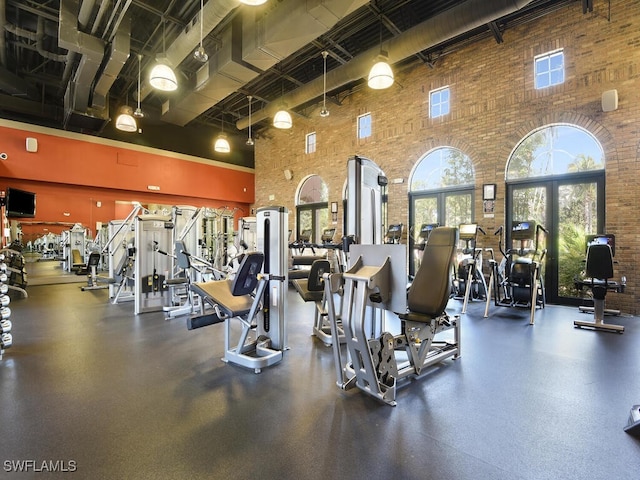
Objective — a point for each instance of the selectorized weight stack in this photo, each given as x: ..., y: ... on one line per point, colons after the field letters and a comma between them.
x: 272, y: 232
x: 152, y: 234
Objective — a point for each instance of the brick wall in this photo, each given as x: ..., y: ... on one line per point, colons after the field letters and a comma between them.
x: 494, y: 105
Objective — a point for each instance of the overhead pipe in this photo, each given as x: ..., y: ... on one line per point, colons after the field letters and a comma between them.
x: 440, y: 28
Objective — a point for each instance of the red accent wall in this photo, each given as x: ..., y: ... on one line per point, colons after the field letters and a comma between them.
x: 71, y: 175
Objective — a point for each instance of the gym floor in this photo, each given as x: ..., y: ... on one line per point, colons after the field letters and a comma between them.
x: 111, y: 395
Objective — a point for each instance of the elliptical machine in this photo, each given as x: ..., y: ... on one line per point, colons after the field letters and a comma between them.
x: 517, y: 280
x: 468, y: 279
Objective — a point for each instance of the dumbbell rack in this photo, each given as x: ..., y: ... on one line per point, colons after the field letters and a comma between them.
x: 5, y: 312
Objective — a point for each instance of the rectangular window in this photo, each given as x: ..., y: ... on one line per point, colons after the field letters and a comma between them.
x: 439, y: 102
x: 549, y: 69
x: 310, y: 143
x: 364, y: 125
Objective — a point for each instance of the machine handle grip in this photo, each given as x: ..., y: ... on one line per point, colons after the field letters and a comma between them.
x: 482, y: 231
x: 498, y: 231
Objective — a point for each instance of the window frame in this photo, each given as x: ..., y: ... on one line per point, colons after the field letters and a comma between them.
x: 369, y: 127
x: 549, y: 73
x: 310, y: 147
x: 439, y: 103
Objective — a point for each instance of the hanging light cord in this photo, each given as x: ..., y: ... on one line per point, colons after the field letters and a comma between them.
x: 201, y: 18
x: 324, y: 88
x: 249, y: 140
x: 139, y: 61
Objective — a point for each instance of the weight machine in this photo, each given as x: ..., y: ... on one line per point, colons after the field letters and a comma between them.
x: 468, y: 281
x: 597, y: 278
x: 152, y: 233
x: 517, y: 281
x: 74, y: 247
x: 376, y: 279
x: 256, y: 301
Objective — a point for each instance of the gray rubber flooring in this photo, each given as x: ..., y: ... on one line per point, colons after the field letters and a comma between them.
x: 113, y: 396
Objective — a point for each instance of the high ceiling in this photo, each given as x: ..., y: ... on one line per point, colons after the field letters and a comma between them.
x: 42, y: 80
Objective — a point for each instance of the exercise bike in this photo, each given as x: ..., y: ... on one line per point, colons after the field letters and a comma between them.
x: 517, y: 280
x: 468, y: 279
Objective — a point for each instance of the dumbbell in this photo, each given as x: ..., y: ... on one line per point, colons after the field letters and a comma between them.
x: 3, y: 277
x: 5, y: 326
x: 3, y: 267
x: 4, y: 288
x: 6, y: 340
x: 5, y: 312
x: 4, y: 300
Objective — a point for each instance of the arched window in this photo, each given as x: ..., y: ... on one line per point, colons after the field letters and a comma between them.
x: 555, y: 150
x: 312, y: 212
x: 441, y: 190
x: 555, y: 176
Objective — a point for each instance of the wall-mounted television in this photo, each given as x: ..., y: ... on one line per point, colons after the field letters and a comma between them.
x: 20, y: 203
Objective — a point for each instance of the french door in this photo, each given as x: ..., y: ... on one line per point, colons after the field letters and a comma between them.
x: 570, y: 208
x: 446, y: 208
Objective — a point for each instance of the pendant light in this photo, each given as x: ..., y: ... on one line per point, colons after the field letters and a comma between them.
x: 162, y: 76
x: 250, y: 140
x: 222, y: 144
x: 125, y: 121
x: 380, y: 75
x: 253, y: 2
x: 200, y: 53
x: 138, y: 112
x: 324, y: 112
x: 282, y: 118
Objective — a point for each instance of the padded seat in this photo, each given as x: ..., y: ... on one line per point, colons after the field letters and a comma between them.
x: 429, y: 292
x: 220, y: 293
x: 233, y: 297
x: 311, y: 289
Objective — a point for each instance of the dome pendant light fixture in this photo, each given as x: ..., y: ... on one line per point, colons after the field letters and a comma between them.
x: 125, y: 121
x: 282, y: 119
x: 138, y: 112
x: 162, y: 76
x: 250, y: 140
x: 200, y: 54
x: 253, y: 2
x: 380, y: 75
x: 222, y: 144
x: 324, y: 112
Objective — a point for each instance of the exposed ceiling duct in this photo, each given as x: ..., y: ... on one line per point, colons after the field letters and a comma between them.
x: 91, y: 48
x: 212, y: 14
x: 119, y: 51
x: 86, y: 97
x: 251, y: 44
x: 445, y: 26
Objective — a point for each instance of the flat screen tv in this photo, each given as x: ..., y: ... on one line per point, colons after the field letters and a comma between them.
x: 20, y: 203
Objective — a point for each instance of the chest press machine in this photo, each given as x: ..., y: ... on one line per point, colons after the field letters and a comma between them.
x: 376, y: 365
